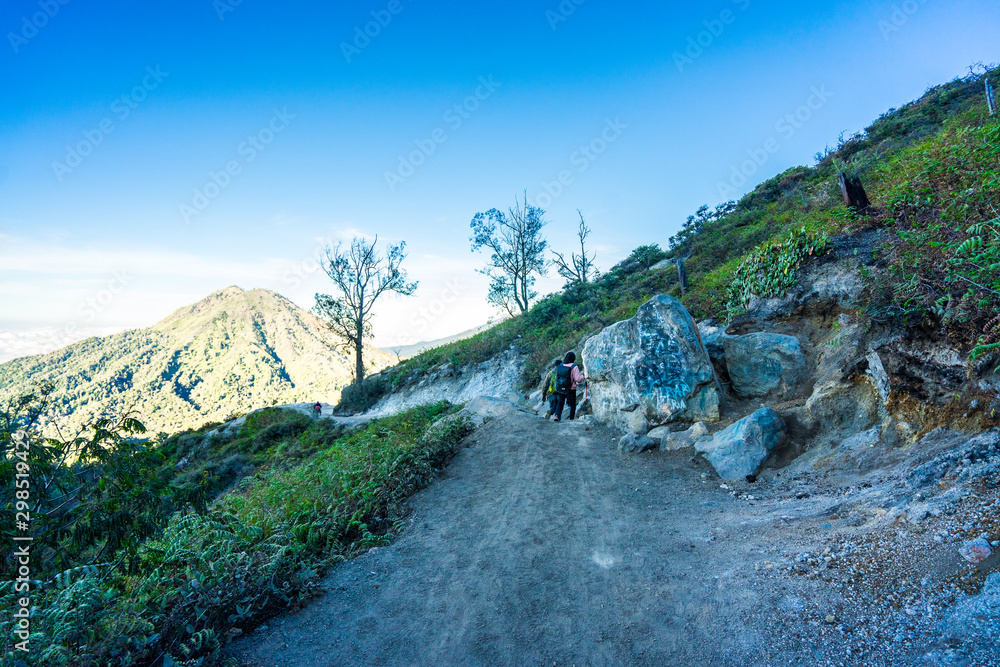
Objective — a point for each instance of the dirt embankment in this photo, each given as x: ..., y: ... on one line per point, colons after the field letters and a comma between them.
x: 542, y: 545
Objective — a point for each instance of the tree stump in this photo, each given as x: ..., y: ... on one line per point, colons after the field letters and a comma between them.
x: 854, y: 193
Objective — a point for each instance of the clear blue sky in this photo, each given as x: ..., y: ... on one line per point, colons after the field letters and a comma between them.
x: 93, y: 236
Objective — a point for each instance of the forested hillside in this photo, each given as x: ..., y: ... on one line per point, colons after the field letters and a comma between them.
x: 229, y: 353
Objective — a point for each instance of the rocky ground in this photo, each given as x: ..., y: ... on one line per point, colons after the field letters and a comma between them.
x: 543, y: 544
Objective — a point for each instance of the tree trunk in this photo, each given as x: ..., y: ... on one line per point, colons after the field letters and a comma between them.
x: 359, y: 370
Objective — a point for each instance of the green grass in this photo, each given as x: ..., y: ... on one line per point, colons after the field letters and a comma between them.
x: 257, y: 549
x: 942, y: 200
x: 208, y: 461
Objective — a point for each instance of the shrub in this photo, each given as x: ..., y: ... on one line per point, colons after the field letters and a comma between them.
x: 770, y: 269
x: 357, y: 398
x: 941, y: 196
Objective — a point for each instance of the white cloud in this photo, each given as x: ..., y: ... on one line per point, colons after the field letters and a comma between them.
x: 14, y: 344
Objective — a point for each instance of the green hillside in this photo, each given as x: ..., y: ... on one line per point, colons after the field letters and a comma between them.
x: 184, y: 542
x: 931, y: 172
x: 231, y: 352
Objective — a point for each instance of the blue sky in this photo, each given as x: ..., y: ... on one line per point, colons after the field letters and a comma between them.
x: 150, y: 155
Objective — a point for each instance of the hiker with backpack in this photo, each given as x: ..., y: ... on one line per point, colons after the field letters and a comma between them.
x: 549, y: 389
x: 568, y: 377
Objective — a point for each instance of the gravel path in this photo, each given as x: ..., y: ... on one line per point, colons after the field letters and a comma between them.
x: 542, y: 545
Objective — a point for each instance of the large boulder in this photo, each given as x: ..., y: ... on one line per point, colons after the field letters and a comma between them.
x: 764, y: 364
x: 651, y: 369
x: 741, y: 449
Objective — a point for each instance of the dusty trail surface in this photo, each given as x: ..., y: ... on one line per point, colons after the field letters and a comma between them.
x: 542, y: 545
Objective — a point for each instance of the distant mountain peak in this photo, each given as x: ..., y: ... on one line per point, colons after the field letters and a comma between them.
x: 233, y: 351
x: 225, y: 293
x: 220, y: 299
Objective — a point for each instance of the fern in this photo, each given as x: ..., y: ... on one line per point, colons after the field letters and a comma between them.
x: 769, y: 270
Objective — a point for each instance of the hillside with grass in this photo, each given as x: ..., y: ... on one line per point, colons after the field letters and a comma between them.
x: 232, y: 352
x: 185, y: 540
x: 160, y: 550
x: 931, y: 172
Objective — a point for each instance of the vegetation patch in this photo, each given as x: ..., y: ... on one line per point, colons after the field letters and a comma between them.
x: 191, y: 580
x: 769, y: 270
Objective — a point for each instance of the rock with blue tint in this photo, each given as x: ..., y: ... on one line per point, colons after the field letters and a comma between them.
x: 741, y: 449
x: 651, y: 370
x: 764, y: 364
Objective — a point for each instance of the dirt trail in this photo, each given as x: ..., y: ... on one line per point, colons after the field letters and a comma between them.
x: 541, y: 545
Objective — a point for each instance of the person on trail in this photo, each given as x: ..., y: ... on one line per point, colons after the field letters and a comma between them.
x: 550, y: 388
x: 568, y: 377
x: 317, y: 409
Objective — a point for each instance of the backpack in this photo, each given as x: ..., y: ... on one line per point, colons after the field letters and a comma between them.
x: 564, y: 378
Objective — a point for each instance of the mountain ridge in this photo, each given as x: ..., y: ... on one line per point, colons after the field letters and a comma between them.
x: 233, y: 351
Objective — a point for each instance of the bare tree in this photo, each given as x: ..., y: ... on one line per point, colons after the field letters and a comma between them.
x: 579, y: 268
x: 518, y: 252
x: 361, y: 276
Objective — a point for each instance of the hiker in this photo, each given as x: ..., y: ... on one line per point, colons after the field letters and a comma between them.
x: 550, y: 388
x: 568, y: 376
x: 317, y: 409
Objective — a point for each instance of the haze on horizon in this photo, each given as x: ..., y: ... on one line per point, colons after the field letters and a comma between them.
x: 151, y: 155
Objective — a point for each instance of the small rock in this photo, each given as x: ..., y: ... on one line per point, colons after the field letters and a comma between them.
x: 674, y: 441
x: 976, y: 551
x: 632, y: 444
x: 831, y: 619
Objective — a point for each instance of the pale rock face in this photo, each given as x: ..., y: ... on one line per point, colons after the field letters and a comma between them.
x: 651, y: 369
x: 741, y: 449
